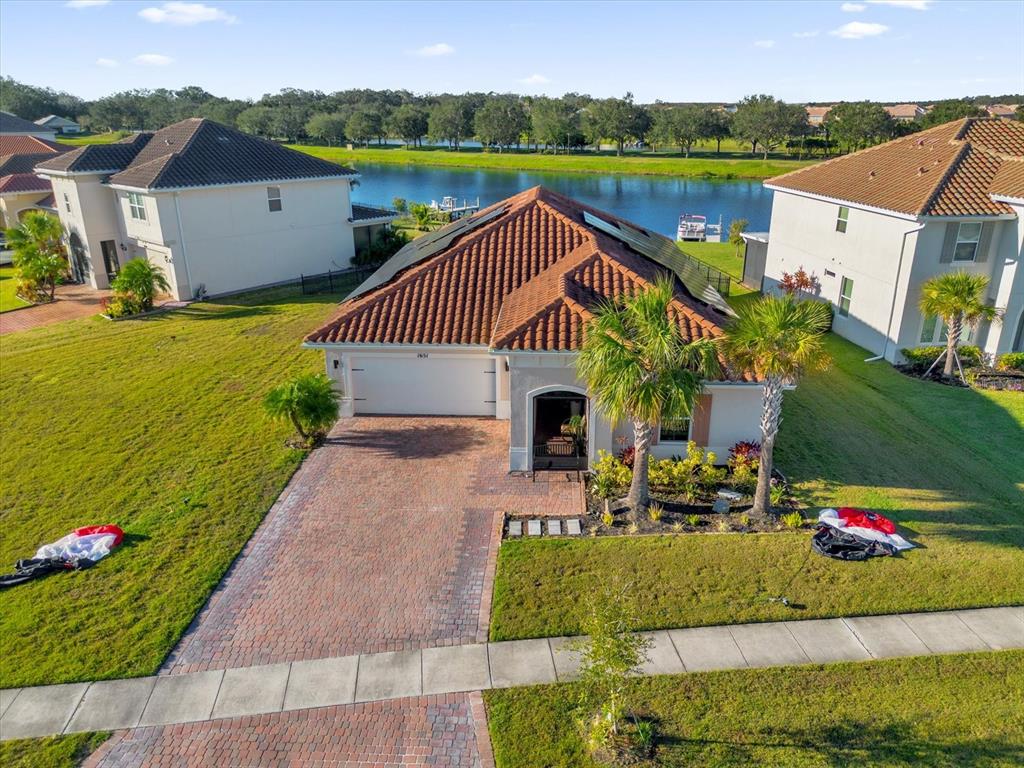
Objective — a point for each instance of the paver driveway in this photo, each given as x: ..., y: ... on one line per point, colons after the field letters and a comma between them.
x: 380, y: 542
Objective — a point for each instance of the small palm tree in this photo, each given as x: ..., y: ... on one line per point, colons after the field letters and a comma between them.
x: 639, y: 367
x: 308, y: 401
x: 140, y: 279
x: 778, y: 338
x: 957, y: 298
x: 38, y: 251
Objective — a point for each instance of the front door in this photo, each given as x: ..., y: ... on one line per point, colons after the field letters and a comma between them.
x: 79, y: 261
x: 110, y: 261
x: 559, y: 431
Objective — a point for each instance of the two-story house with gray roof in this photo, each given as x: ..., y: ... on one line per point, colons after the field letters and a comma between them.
x: 217, y: 210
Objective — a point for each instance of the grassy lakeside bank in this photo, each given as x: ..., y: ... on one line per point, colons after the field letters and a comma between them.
x: 929, y: 711
x: 947, y: 464
x: 155, y: 425
x: 639, y: 164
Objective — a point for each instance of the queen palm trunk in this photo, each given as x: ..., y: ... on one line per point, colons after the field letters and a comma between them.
x: 955, y: 328
x: 298, y: 425
x: 771, y: 415
x: 639, y: 498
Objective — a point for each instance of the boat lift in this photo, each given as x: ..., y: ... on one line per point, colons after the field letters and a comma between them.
x: 695, y: 229
x: 452, y: 206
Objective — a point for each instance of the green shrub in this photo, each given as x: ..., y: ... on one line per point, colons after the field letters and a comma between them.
x: 693, y: 520
x: 139, y: 280
x: 1011, y: 361
x: 608, y: 469
x: 607, y: 518
x: 745, y: 520
x: 655, y: 512
x: 744, y: 477
x: 918, y: 359
x: 308, y: 401
x: 792, y: 519
x: 779, y: 493
x: 387, y: 243
x: 121, y: 306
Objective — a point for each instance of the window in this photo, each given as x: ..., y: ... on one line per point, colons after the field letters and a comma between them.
x: 674, y: 431
x: 844, y: 217
x: 274, y: 198
x: 934, y: 332
x: 967, y: 237
x: 137, y: 206
x: 845, y: 295
x: 67, y: 202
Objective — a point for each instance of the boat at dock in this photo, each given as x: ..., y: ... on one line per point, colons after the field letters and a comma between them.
x: 695, y: 228
x: 455, y: 207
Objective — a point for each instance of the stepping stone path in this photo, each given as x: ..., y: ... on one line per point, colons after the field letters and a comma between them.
x: 572, y: 527
x: 533, y: 527
x: 515, y: 528
x: 554, y: 527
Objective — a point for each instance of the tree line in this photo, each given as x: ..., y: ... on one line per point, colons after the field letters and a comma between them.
x: 498, y: 121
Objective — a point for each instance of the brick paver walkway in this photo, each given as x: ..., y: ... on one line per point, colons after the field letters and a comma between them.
x: 424, y: 731
x: 381, y: 542
x: 73, y: 302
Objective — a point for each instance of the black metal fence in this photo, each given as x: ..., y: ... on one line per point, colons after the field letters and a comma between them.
x: 718, y: 279
x: 334, y: 281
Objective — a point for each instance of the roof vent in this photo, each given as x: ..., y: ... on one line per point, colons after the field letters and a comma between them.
x: 921, y: 171
x: 871, y: 175
x: 920, y: 142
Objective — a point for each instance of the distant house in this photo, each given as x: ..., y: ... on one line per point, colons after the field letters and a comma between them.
x: 816, y: 115
x: 61, y: 125
x: 1002, y: 110
x: 20, y: 189
x: 12, y: 125
x: 216, y: 209
x: 906, y: 113
x: 486, y: 318
x: 874, y: 225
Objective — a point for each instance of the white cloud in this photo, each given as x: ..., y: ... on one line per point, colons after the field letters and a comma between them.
x: 181, y: 14
x: 437, y: 49
x: 855, y: 30
x: 914, y: 5
x: 534, y: 79
x: 85, y: 3
x: 108, y: 63
x: 153, y: 60
x: 852, y: 7
x: 764, y: 43
x: 809, y: 33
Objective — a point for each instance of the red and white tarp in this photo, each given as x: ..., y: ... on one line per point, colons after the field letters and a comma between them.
x: 866, y: 525
x: 93, y: 542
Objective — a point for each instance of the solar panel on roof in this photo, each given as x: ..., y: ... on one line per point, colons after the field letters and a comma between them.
x: 423, y: 248
x: 664, y: 252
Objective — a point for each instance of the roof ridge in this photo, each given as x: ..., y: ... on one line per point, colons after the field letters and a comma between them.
x: 961, y: 153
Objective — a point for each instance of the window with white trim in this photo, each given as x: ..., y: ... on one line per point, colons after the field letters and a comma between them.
x: 674, y: 430
x: 274, y: 198
x: 137, y: 206
x: 968, y: 235
x: 935, y: 332
x: 845, y: 296
x: 843, y: 219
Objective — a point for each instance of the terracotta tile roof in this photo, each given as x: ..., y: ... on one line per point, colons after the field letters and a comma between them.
x: 529, y: 279
x: 23, y: 182
x: 1002, y: 110
x: 904, y: 111
x: 198, y: 152
x: 29, y: 145
x: 947, y: 170
x: 1009, y: 180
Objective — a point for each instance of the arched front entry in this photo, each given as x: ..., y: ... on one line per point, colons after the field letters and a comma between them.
x: 558, y: 429
x: 79, y: 261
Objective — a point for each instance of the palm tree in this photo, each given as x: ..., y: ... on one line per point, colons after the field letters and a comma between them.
x: 38, y: 251
x: 140, y: 279
x: 639, y: 367
x: 308, y: 401
x: 778, y: 338
x: 958, y: 299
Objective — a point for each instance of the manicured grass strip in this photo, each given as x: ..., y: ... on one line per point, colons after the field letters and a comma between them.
x: 635, y: 164
x: 947, y: 464
x: 947, y: 711
x: 722, y: 256
x: 155, y: 425
x: 8, y: 301
x: 95, y: 138
x: 53, y: 752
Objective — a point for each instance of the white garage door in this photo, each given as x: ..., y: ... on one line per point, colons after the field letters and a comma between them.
x: 424, y: 384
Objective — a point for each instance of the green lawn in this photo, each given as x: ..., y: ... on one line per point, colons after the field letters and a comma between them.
x: 941, y: 711
x: 94, y: 138
x: 55, y: 752
x: 8, y: 300
x: 642, y: 164
x: 722, y: 256
x: 947, y: 464
x: 155, y: 425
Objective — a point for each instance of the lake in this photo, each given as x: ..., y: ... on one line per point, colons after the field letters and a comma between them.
x: 654, y: 202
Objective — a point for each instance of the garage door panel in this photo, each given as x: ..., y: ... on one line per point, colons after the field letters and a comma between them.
x: 436, y: 385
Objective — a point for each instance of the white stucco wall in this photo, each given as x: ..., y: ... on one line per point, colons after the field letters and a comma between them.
x: 1007, y: 287
x: 93, y: 216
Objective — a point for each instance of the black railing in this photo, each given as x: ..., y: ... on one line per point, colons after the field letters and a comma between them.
x: 334, y: 281
x: 556, y: 455
x: 719, y: 280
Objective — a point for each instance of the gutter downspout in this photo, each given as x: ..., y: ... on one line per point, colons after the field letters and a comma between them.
x: 184, y: 255
x: 895, y: 291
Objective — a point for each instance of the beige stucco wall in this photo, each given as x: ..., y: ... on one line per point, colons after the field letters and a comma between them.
x: 93, y: 217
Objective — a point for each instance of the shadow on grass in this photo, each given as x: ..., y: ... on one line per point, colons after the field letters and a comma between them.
x: 854, y: 743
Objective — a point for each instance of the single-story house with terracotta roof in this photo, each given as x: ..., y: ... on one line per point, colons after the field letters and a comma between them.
x: 20, y: 189
x: 906, y: 113
x: 485, y: 317
x: 874, y: 225
x: 217, y: 210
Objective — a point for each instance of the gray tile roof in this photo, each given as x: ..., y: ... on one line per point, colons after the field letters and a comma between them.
x: 198, y: 152
x: 365, y: 212
x: 13, y: 124
x: 94, y: 158
x: 22, y: 163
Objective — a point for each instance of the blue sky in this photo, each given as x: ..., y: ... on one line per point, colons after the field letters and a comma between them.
x: 686, y: 51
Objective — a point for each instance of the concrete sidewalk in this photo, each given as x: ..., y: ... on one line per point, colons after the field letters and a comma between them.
x: 217, y: 694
